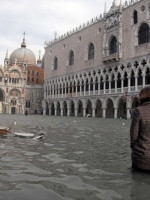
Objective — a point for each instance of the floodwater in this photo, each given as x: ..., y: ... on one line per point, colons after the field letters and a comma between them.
x: 78, y: 159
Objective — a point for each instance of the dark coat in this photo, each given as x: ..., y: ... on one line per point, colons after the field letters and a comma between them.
x: 140, y: 136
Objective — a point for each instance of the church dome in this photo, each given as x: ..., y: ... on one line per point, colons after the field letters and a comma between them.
x: 22, y: 55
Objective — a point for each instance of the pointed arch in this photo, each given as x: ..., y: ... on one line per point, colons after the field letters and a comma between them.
x: 58, y: 108
x: 143, y: 34
x: 80, y: 108
x: 113, y: 45
x: 98, y: 108
x: 110, y: 108
x: 89, y: 107
x: 91, y: 51
x: 72, y: 108
x: 55, y: 63
x: 71, y: 58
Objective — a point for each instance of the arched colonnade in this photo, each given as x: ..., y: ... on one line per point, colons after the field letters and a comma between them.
x: 110, y: 107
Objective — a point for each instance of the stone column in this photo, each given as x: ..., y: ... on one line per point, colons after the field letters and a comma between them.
x: 136, y: 83
x: 115, y: 86
x: 109, y: 86
x: 93, y: 112
x: 99, y: 91
x: 104, y: 87
x: 129, y: 84
x: 62, y: 92
x: 68, y: 112
x: 61, y: 113
x: 76, y: 112
x: 122, y: 85
x: 104, y: 112
x: 58, y: 92
x: 94, y: 88
x: 84, y: 89
x: 76, y: 90
x: 89, y: 88
x: 80, y: 89
x: 115, y: 113
x: 49, y: 110
x: 143, y: 80
x: 44, y: 112
x: 65, y: 91
x: 84, y: 112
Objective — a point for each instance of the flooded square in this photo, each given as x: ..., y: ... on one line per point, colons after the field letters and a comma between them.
x: 77, y: 159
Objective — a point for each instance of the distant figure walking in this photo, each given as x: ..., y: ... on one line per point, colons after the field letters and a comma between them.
x: 140, y: 132
x: 26, y: 113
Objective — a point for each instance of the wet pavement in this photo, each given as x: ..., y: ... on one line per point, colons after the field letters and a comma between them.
x: 78, y: 159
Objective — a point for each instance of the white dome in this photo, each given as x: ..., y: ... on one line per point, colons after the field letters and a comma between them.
x: 22, y: 55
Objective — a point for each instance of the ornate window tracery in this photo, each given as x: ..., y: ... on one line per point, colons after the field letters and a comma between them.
x: 91, y: 51
x: 143, y: 35
x: 71, y: 58
x: 113, y: 46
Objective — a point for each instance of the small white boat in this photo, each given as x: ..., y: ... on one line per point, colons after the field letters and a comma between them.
x: 23, y: 134
x: 4, y: 130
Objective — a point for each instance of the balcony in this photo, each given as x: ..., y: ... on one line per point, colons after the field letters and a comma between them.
x: 111, y: 57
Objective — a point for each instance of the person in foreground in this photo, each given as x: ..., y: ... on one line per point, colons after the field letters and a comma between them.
x: 140, y: 132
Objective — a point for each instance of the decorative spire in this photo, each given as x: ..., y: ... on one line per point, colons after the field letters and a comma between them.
x: 55, y: 35
x: 6, y: 57
x: 105, y: 8
x: 120, y: 2
x: 39, y: 60
x: 23, y: 45
x: 115, y: 3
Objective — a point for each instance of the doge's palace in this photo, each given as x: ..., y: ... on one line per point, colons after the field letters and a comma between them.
x: 98, y: 68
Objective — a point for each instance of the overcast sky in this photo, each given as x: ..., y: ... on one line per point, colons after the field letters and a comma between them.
x: 40, y: 19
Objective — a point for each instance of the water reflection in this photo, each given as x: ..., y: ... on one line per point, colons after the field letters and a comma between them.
x: 84, y: 160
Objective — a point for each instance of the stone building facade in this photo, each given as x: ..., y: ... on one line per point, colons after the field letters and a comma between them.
x: 99, y: 67
x: 17, y: 93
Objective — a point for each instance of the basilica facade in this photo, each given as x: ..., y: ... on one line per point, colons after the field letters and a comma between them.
x: 98, y: 68
x: 21, y: 82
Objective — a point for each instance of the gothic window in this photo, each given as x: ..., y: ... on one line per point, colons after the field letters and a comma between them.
x: 113, y: 46
x: 55, y: 63
x: 125, y: 82
x: 143, y: 35
x: 132, y: 78
x: 140, y: 78
x: 28, y: 80
x: 32, y: 73
x: 107, y: 82
x: 71, y: 58
x: 0, y: 79
x: 32, y: 79
x: 113, y: 81
x: 91, y: 51
x: 147, y: 77
x: 135, y: 17
x: 28, y: 72
x: 119, y: 81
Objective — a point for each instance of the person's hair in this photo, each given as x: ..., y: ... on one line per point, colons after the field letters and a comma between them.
x: 144, y: 94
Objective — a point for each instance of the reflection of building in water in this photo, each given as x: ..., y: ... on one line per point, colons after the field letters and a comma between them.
x: 90, y: 69
x: 21, y: 82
